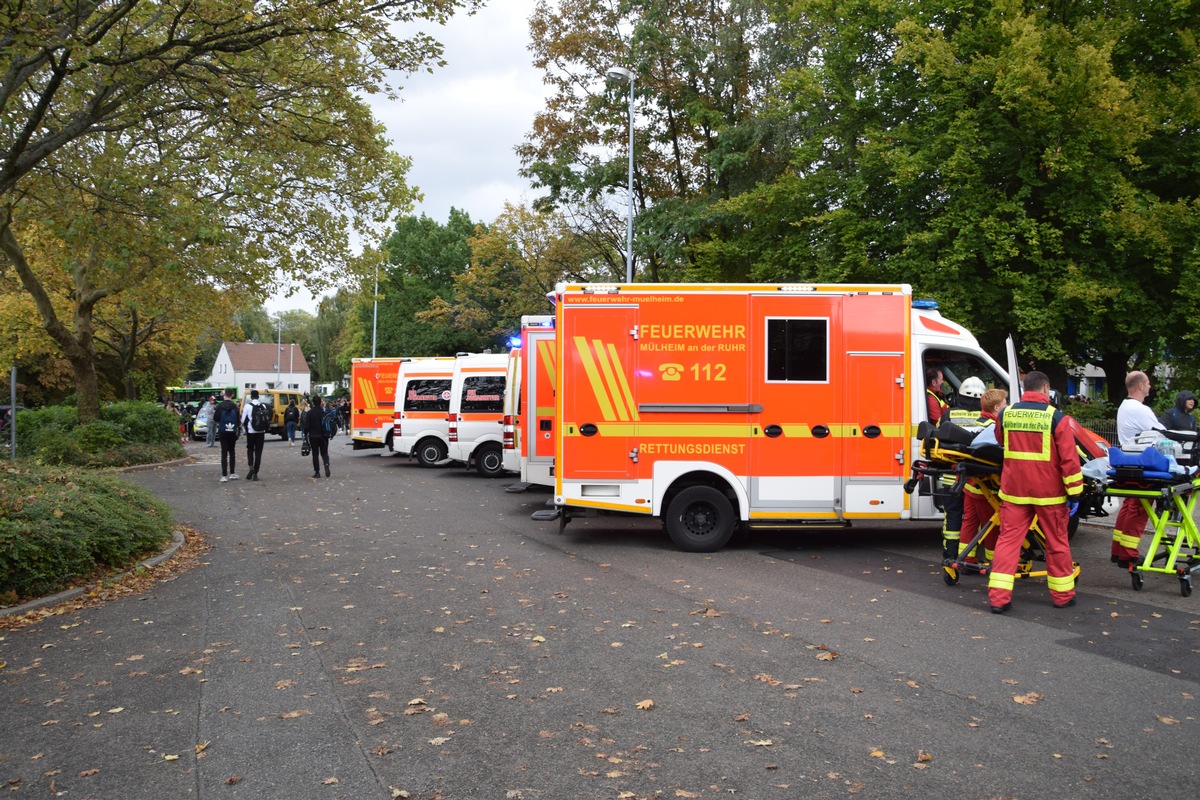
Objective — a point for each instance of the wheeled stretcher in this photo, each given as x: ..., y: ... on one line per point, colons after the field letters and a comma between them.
x: 981, y: 465
x: 1170, y: 501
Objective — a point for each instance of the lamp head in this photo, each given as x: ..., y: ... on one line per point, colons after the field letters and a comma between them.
x: 619, y: 74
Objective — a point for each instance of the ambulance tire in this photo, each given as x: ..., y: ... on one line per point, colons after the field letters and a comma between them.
x: 700, y: 519
x: 430, y: 452
x: 489, y: 461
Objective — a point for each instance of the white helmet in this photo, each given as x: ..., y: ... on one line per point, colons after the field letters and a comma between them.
x: 972, y: 387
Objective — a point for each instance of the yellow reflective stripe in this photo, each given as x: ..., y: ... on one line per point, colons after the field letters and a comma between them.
x: 593, y: 374
x: 1028, y: 420
x: 971, y: 488
x: 1072, y: 491
x: 1125, y: 540
x: 1060, y: 584
x: 998, y: 580
x: 1032, y: 501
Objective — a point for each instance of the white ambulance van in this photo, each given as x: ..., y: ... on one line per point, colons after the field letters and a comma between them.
x: 476, y: 413
x: 422, y: 401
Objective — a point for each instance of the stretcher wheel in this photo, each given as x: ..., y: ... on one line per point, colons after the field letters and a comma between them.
x: 1185, y: 587
x: 1137, y: 580
x: 950, y: 576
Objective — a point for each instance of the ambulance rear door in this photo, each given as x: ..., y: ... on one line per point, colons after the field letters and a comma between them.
x: 598, y: 356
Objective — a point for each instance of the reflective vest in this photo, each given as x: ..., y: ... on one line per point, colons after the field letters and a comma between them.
x: 1041, y: 465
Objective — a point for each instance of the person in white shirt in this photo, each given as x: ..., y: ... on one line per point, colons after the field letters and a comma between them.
x: 1133, y: 417
x: 254, y: 437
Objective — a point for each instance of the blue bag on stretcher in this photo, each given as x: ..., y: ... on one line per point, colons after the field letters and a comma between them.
x: 1153, y: 462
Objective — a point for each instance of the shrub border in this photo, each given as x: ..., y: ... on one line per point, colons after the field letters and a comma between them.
x: 153, y: 561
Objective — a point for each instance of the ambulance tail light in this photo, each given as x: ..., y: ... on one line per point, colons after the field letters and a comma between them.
x: 453, y: 428
x: 395, y: 425
x: 508, y: 433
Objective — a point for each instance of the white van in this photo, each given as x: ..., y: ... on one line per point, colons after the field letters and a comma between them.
x: 422, y: 401
x: 476, y: 414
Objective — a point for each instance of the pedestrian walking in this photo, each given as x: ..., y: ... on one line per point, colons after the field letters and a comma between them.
x: 256, y: 418
x: 312, y: 425
x: 226, y: 416
x: 291, y: 419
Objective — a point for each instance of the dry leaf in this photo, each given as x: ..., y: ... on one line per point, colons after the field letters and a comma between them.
x: 645, y: 705
x: 294, y: 714
x: 233, y: 779
x: 923, y: 757
x: 87, y: 773
x: 1028, y: 699
x: 682, y: 793
x: 826, y: 655
x: 760, y: 742
x: 329, y: 781
x: 1167, y: 720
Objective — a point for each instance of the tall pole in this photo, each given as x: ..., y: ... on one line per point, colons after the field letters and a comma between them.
x: 375, y: 312
x: 12, y: 414
x: 620, y: 73
x: 278, y: 346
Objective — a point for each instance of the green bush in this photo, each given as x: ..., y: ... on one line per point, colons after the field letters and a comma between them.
x: 145, y: 423
x: 51, y: 445
x: 99, y: 436
x: 57, y: 527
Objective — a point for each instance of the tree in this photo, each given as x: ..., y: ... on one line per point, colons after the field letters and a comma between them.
x: 423, y: 258
x: 515, y: 263
x: 998, y: 157
x: 213, y: 146
x: 701, y: 69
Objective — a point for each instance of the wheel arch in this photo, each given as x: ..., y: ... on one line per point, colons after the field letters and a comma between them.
x: 672, y: 478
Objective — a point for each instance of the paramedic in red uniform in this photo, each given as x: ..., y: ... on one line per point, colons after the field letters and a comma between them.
x: 1133, y: 417
x: 933, y: 394
x: 1041, y: 477
x: 977, y: 511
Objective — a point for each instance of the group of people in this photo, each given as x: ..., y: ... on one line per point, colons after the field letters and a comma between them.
x: 1042, y: 476
x: 227, y: 422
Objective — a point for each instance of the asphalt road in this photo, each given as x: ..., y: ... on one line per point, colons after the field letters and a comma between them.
x: 399, y: 632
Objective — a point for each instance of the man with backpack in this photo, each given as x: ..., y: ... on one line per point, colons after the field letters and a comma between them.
x: 319, y: 425
x: 226, y: 421
x: 256, y: 418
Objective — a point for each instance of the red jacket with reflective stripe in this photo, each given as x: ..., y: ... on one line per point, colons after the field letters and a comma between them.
x: 1041, y: 465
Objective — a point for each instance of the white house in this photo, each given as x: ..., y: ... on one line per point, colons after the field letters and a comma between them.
x: 261, y: 366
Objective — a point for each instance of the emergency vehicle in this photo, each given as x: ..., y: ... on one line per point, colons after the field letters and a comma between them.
x: 715, y: 407
x: 422, y: 398
x: 476, y: 413
x: 372, y: 396
x: 529, y: 403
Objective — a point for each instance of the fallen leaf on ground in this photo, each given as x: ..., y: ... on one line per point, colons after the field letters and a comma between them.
x: 293, y: 714
x: 1028, y: 699
x: 645, y: 705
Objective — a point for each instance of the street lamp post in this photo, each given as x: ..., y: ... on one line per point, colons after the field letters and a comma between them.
x: 375, y: 312
x: 622, y: 74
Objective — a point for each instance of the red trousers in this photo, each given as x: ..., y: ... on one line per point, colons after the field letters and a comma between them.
x: 1127, y: 532
x: 977, y: 512
x: 1015, y: 520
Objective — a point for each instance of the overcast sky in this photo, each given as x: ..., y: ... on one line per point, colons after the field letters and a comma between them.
x: 460, y: 123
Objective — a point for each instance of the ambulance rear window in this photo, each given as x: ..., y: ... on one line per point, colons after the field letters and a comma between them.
x: 484, y: 393
x: 798, y: 350
x: 427, y: 395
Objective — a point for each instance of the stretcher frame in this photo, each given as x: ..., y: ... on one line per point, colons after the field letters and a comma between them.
x: 1170, y: 506
x: 964, y: 465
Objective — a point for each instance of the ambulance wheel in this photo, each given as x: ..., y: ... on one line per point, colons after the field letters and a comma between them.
x: 700, y: 520
x: 430, y: 452
x: 489, y: 460
x: 1137, y: 580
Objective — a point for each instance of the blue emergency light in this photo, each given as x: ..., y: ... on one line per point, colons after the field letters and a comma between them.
x: 928, y: 305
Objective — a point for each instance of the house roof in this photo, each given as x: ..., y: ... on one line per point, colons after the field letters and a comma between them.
x: 251, y: 357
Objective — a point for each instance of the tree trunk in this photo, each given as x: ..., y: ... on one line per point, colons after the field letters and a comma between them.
x: 78, y: 345
x: 1115, y: 366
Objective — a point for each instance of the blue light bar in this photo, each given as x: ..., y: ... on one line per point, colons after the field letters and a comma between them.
x: 929, y: 305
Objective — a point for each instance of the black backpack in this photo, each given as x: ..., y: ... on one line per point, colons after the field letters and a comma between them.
x: 260, y: 417
x: 329, y: 423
